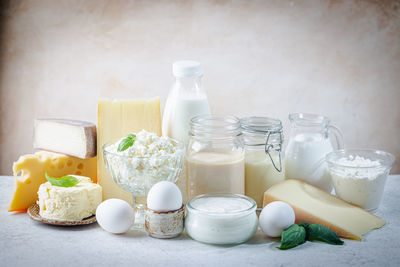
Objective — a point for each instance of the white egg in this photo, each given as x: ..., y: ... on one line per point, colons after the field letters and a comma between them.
x: 164, y: 196
x: 115, y: 215
x: 276, y: 217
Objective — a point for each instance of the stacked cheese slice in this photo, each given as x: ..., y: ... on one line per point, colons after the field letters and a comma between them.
x: 73, y: 146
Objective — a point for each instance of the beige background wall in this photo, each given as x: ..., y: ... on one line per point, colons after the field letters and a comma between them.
x: 338, y: 58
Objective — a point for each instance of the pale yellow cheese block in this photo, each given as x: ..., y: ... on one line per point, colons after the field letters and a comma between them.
x: 116, y: 119
x: 29, y: 172
x: 312, y: 205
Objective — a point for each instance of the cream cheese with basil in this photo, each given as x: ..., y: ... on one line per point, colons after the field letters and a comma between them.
x: 72, y: 203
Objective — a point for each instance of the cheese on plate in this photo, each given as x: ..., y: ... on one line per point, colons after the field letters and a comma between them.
x: 116, y: 119
x: 29, y: 172
x: 69, y: 203
x: 312, y: 205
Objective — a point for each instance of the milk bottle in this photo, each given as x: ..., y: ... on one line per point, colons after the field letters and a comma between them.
x: 186, y: 100
x: 307, y: 147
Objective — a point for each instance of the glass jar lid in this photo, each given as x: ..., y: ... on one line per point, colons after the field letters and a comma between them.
x: 215, y: 126
x: 261, y: 127
x: 221, y: 204
x: 264, y: 131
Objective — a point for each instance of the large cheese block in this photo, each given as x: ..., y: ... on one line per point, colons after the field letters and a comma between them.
x: 70, y: 137
x: 29, y: 172
x: 116, y: 119
x: 312, y: 205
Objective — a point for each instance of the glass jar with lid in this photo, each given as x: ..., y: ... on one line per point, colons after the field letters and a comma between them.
x: 264, y: 158
x: 215, y: 156
x: 221, y: 218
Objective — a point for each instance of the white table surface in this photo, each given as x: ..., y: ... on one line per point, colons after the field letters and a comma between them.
x: 24, y: 242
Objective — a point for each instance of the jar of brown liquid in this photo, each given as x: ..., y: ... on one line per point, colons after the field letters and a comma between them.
x: 215, y: 156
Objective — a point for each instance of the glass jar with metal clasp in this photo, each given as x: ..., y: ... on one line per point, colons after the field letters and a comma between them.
x: 264, y: 158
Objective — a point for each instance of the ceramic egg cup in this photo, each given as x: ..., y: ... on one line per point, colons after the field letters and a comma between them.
x: 164, y: 224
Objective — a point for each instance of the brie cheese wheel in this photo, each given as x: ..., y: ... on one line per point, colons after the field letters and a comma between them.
x: 69, y: 203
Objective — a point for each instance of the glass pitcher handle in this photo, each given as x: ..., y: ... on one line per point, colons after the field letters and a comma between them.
x: 338, y: 136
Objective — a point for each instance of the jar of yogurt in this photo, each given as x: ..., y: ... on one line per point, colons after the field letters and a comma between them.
x: 215, y: 156
x: 264, y: 157
x: 221, y: 219
x: 309, y: 142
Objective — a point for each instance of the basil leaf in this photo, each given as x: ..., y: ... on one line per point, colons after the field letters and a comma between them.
x: 322, y: 233
x: 65, y: 181
x: 293, y: 236
x: 126, y: 143
x: 306, y: 225
x: 133, y: 136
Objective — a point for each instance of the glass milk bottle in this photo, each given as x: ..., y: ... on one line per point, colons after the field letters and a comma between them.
x: 308, y: 144
x: 263, y: 140
x: 186, y: 100
x: 215, y: 156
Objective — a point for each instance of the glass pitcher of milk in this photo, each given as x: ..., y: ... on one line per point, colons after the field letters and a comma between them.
x: 309, y: 142
x: 186, y: 100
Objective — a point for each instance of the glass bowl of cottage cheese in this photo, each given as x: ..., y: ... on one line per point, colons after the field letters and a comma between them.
x: 359, y: 175
x: 145, y: 160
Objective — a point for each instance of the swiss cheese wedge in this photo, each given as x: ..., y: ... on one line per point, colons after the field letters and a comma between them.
x: 116, y: 119
x: 312, y: 205
x: 29, y: 172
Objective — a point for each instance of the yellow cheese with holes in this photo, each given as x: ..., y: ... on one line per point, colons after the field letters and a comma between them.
x: 29, y: 172
x: 312, y: 205
x: 116, y: 119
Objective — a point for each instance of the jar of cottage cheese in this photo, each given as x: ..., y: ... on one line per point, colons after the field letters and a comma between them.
x: 221, y: 218
x: 359, y: 175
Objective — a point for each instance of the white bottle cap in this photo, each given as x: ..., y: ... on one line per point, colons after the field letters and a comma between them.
x: 187, y: 68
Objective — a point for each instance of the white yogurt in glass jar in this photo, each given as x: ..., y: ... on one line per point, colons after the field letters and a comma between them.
x: 221, y: 218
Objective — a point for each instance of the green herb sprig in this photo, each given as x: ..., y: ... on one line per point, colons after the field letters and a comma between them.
x: 298, y: 234
x: 293, y: 236
x: 321, y: 233
x: 65, y: 181
x: 127, y: 142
